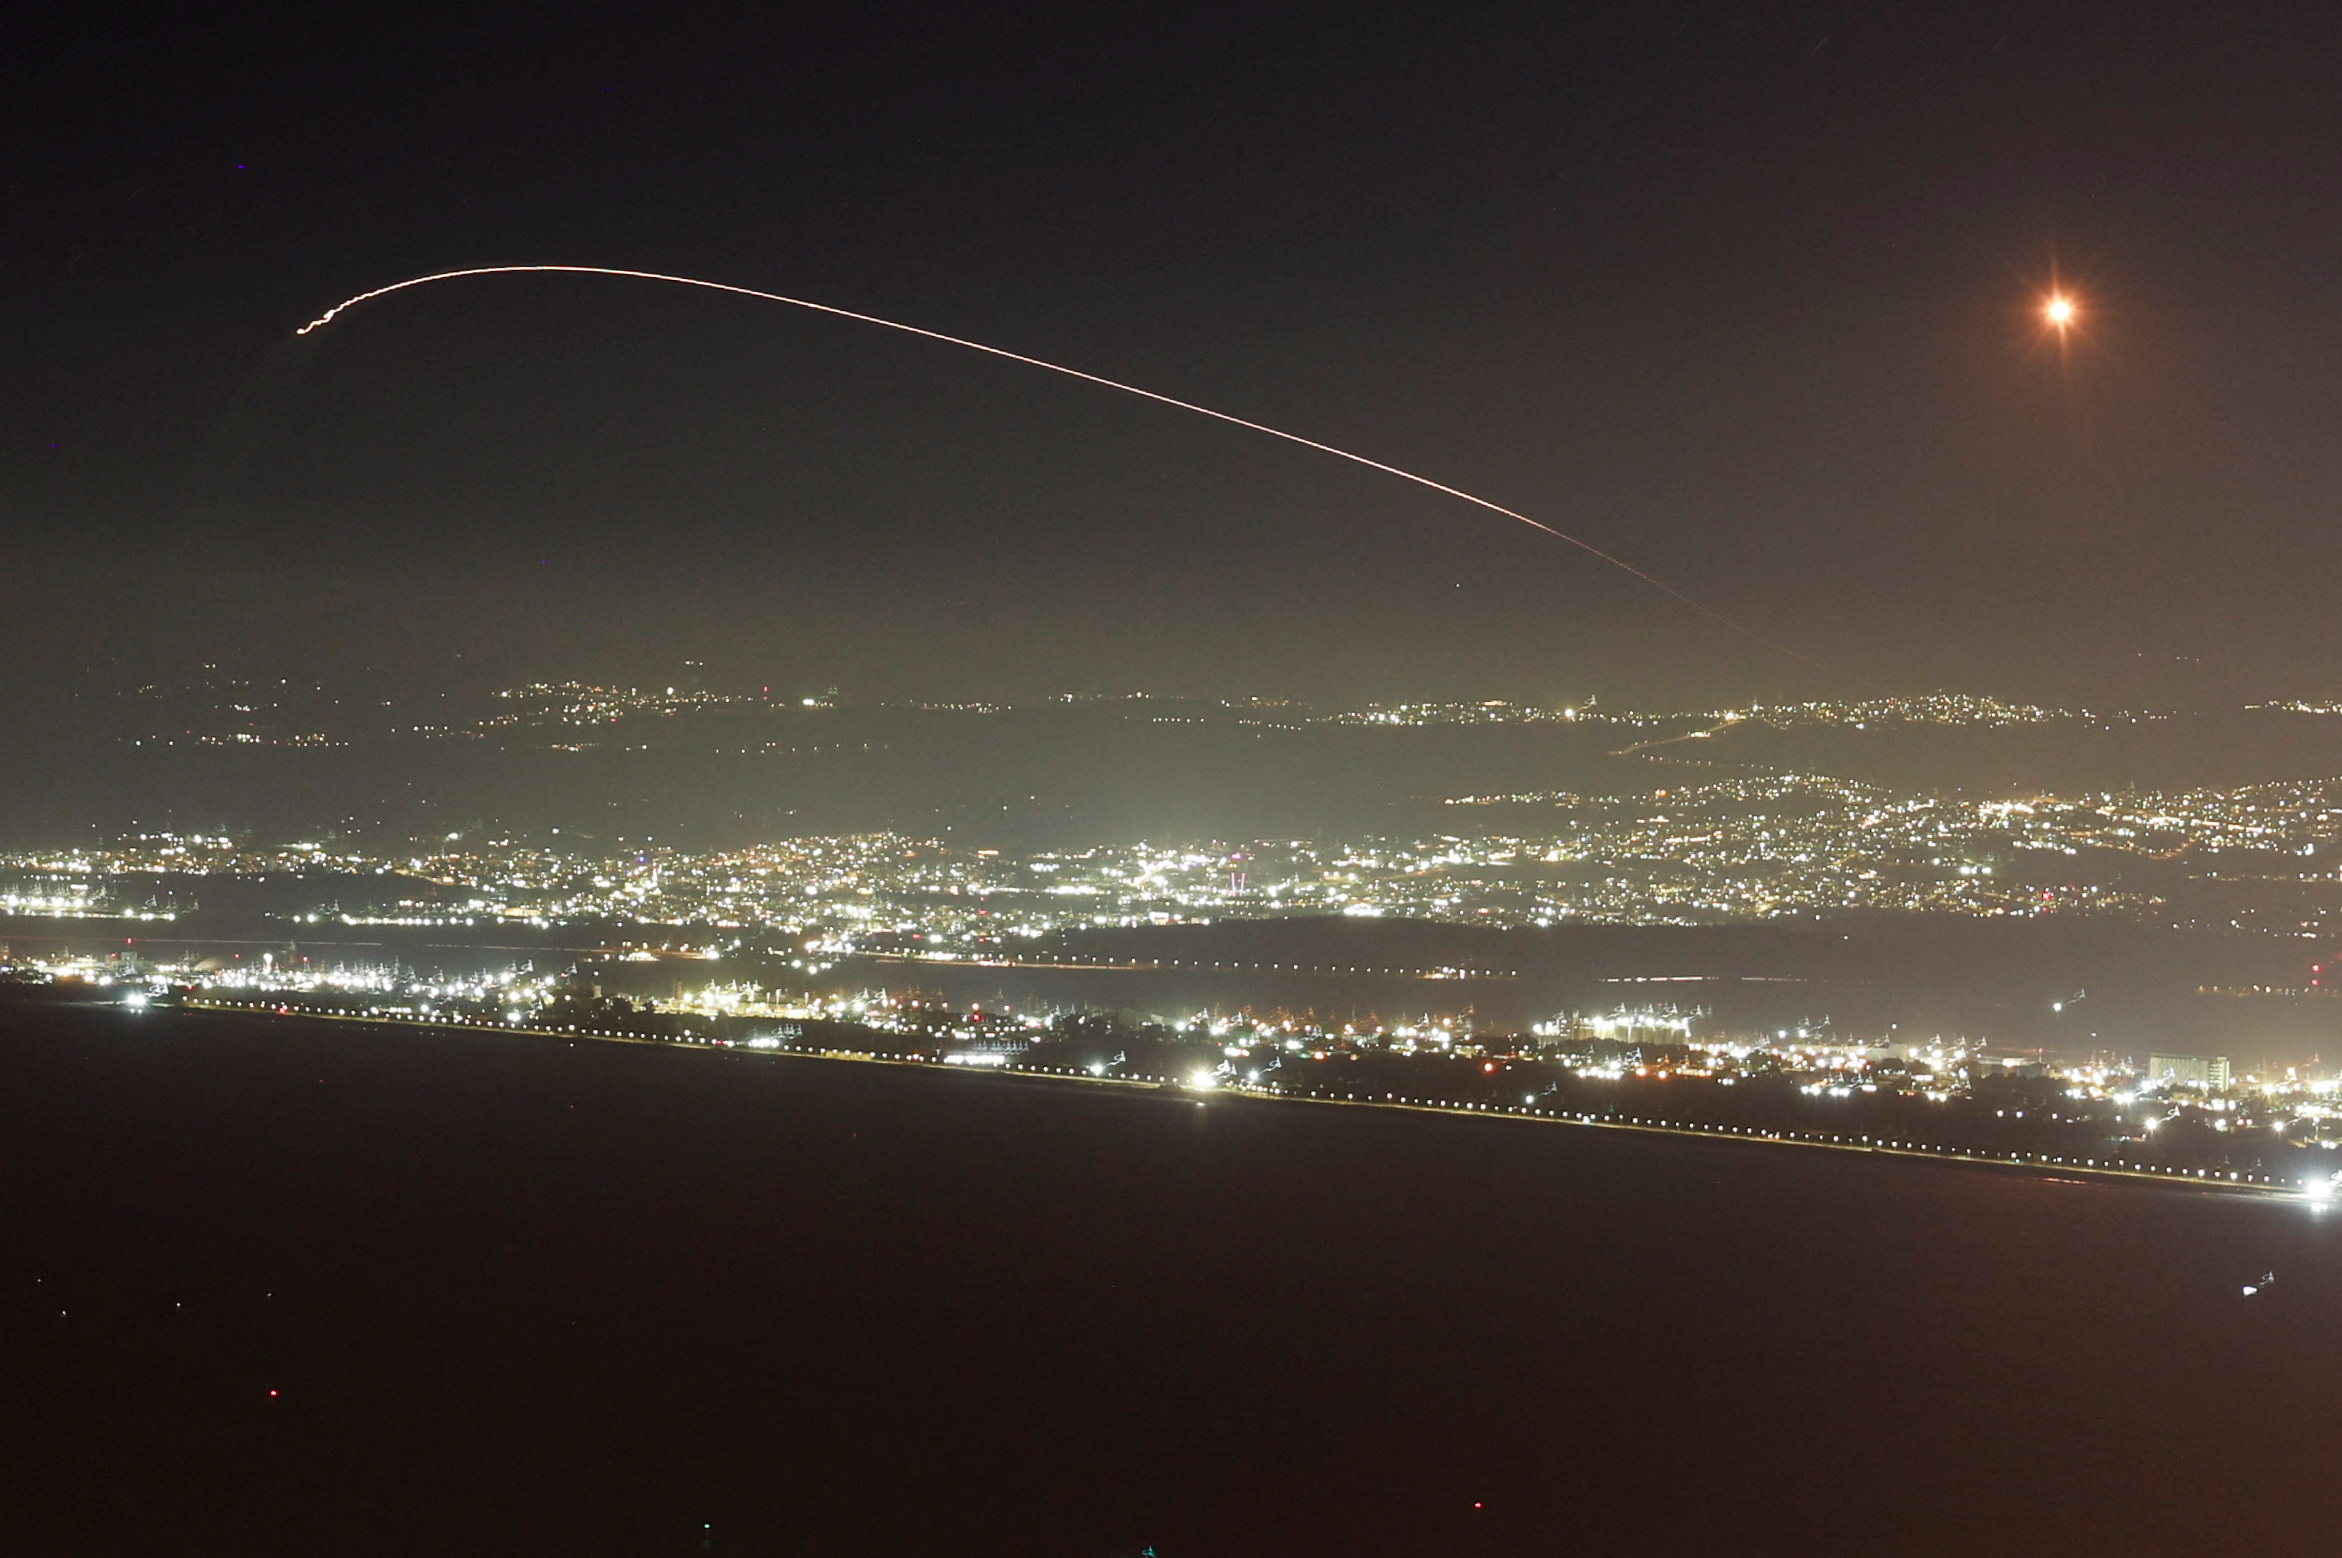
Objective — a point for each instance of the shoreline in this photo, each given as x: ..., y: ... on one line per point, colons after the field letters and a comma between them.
x: 2046, y: 1168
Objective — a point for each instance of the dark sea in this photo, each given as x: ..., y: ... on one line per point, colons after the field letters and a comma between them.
x: 285, y: 1287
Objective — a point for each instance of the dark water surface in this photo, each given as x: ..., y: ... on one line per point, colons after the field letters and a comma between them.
x: 516, y: 1297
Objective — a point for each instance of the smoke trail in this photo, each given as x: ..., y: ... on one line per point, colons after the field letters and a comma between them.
x: 1587, y: 547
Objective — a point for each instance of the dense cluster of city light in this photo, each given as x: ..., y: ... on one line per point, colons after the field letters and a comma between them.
x: 1930, y: 709
x: 2261, y: 857
x: 1752, y: 846
x: 582, y: 703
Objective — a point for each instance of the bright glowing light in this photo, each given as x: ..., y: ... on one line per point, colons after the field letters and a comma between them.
x: 2059, y: 311
x: 1587, y: 547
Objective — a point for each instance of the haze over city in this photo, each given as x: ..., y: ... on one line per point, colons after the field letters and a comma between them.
x: 1147, y: 783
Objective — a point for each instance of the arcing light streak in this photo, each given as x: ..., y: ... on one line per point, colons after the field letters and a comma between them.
x: 1588, y: 547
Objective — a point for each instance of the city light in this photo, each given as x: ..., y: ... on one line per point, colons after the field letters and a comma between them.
x: 1651, y: 1066
x: 1748, y: 847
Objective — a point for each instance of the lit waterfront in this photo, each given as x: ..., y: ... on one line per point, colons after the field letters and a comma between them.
x: 1657, y: 1067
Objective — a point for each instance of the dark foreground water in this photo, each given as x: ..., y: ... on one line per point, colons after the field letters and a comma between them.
x: 324, y: 1289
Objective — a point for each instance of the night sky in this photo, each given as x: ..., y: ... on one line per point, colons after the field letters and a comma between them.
x: 1745, y: 293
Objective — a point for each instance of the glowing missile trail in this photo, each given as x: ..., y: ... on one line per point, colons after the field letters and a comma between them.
x: 1588, y: 547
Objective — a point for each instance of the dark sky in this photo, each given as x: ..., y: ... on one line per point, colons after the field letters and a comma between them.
x: 1742, y: 292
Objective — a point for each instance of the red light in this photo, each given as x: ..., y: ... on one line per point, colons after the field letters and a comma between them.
x: 272, y: 1392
